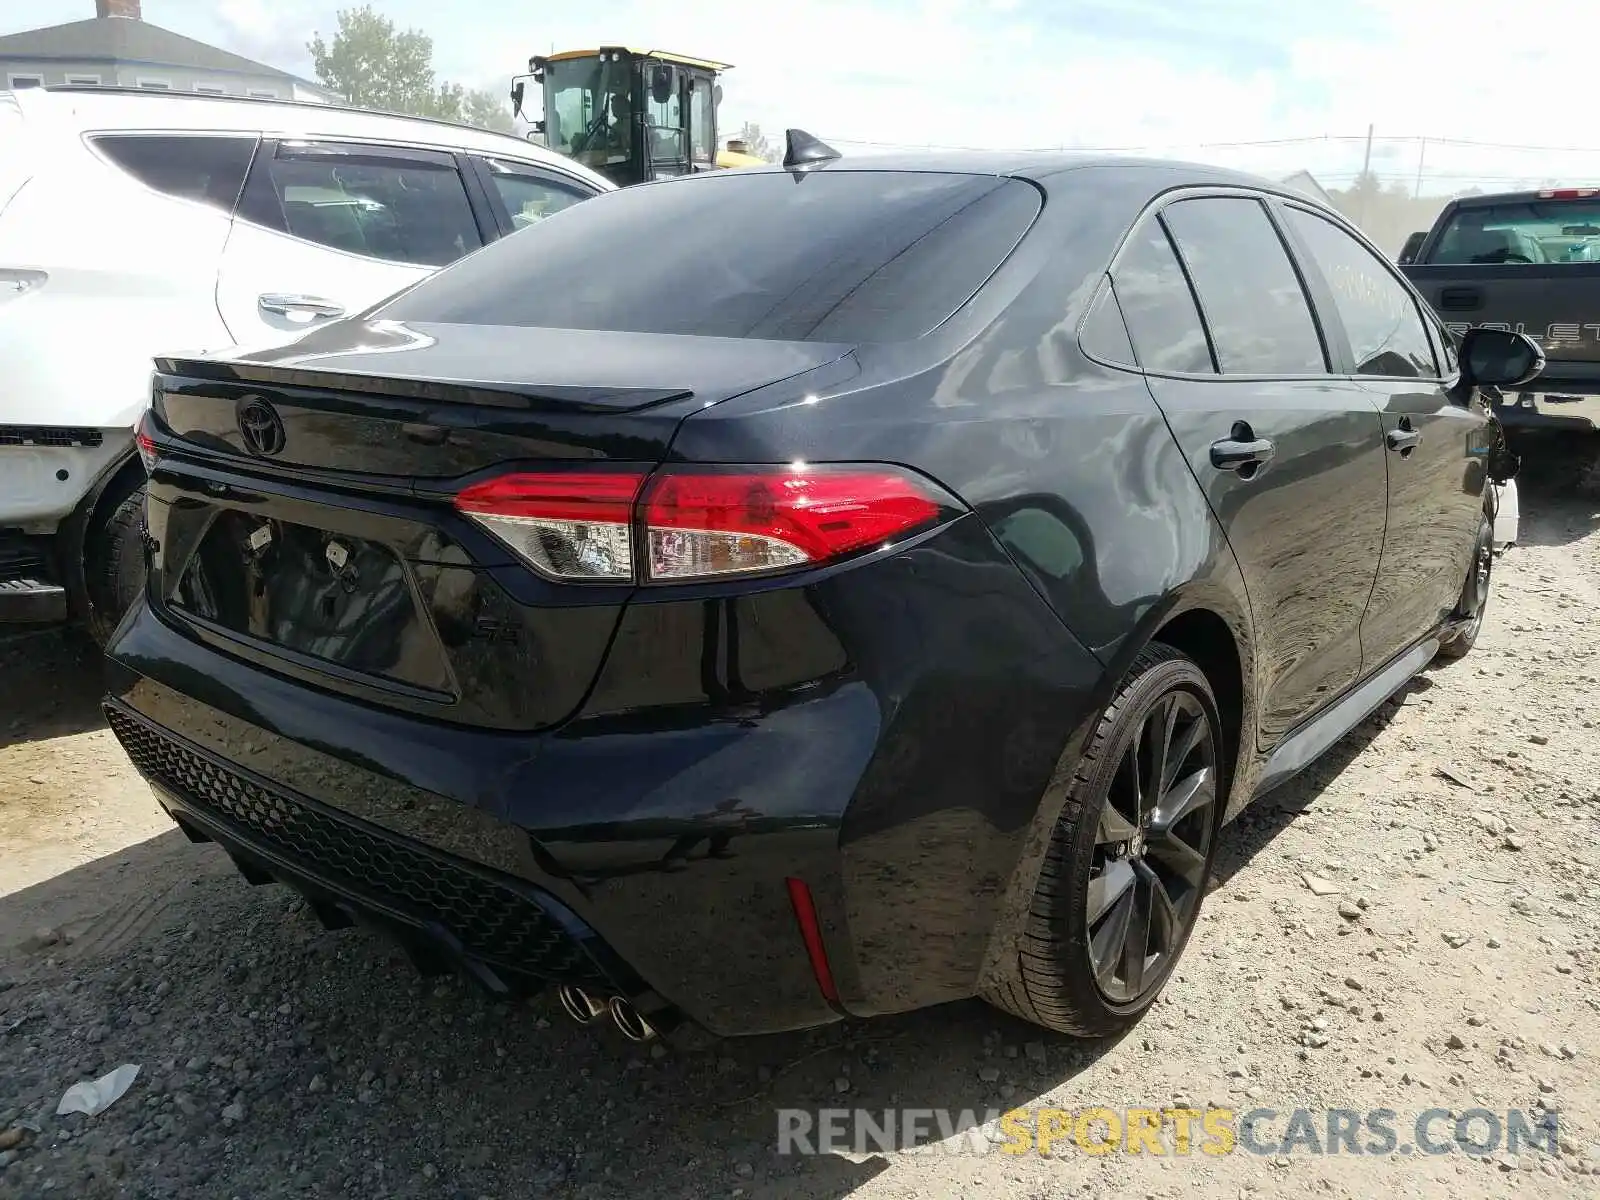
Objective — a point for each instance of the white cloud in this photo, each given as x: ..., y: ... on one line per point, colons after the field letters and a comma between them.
x: 275, y: 32
x: 1172, y: 76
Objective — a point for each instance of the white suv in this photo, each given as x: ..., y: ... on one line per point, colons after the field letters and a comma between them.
x: 135, y: 223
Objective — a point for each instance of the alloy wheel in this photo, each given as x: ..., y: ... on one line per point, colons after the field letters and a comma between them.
x: 1475, y: 594
x: 1483, y: 572
x: 1151, y: 847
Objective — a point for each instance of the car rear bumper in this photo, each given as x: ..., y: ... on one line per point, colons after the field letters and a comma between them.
x: 444, y: 909
x: 647, y: 846
x: 45, y: 471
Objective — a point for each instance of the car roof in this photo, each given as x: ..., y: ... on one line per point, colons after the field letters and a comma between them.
x: 85, y: 109
x: 1048, y: 167
x: 1491, y: 199
x: 664, y: 55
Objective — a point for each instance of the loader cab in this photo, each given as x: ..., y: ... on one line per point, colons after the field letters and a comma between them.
x: 631, y: 115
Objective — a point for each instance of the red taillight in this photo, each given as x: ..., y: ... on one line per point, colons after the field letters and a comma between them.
x: 568, y: 525
x: 805, y: 915
x: 1568, y: 193
x: 700, y: 522
x: 146, y: 443
x: 736, y: 522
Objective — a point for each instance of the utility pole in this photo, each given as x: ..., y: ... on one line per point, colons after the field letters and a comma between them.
x: 1421, y: 155
x: 1366, y: 166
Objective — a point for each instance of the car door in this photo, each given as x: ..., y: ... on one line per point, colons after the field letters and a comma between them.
x: 325, y: 229
x: 1290, y: 457
x: 1437, y: 445
x: 522, y: 194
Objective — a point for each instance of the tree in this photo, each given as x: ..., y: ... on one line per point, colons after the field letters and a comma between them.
x: 375, y: 65
x: 755, y: 142
x: 487, y: 110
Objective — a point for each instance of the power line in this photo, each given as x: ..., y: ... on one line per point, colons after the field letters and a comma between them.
x: 1308, y: 139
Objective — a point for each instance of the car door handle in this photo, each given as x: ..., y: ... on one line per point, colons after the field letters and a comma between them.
x: 294, y: 306
x: 1402, y: 439
x: 1460, y: 299
x: 1241, y: 455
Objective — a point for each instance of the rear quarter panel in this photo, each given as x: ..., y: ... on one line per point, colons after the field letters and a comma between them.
x: 1073, y: 470
x: 1042, y: 442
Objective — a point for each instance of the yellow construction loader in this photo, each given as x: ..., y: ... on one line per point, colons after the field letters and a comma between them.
x: 632, y: 115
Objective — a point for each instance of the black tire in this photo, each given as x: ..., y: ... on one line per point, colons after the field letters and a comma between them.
x: 1474, y: 602
x: 113, y: 566
x: 1056, y: 983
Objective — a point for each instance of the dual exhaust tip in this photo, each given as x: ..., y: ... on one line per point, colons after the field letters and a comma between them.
x: 585, y: 1008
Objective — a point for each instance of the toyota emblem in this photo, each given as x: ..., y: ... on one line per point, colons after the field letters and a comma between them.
x: 261, y: 428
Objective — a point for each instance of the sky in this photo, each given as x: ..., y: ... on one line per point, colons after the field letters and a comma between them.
x: 1170, y: 77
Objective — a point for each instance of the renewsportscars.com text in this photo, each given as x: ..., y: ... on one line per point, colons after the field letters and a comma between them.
x: 1174, y: 1131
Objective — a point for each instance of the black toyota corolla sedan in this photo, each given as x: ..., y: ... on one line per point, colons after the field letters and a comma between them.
x: 751, y: 600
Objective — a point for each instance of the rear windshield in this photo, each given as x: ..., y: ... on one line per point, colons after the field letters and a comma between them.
x: 836, y: 256
x: 1543, y: 231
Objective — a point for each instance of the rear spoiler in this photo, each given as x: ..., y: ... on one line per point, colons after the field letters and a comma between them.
x: 174, y: 373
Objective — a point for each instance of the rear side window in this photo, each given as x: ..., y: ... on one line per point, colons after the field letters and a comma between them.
x: 846, y: 256
x: 208, y: 169
x: 405, y: 210
x: 1254, y: 306
x: 1379, y: 315
x: 530, y: 198
x: 1540, y: 231
x: 1104, y: 335
x: 1158, y: 306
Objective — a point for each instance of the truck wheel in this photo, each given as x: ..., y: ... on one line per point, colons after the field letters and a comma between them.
x: 114, y: 565
x: 1130, y: 857
x: 1474, y: 595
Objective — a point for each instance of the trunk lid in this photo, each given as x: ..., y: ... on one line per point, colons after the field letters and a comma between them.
x: 300, y: 502
x: 423, y: 401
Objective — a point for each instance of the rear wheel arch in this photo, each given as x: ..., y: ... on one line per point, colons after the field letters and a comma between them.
x: 82, y: 532
x: 1192, y: 622
x: 1209, y: 621
x: 124, y: 478
x: 1047, y: 973
x: 1208, y: 639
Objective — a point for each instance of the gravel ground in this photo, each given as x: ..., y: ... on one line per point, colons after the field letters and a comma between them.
x: 1411, y: 926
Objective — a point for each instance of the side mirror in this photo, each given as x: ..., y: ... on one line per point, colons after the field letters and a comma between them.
x: 516, y: 97
x: 1500, y: 358
x: 1408, y: 252
x: 661, y: 82
x: 716, y: 95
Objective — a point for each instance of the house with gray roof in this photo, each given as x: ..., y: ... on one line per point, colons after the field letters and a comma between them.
x: 1306, y: 182
x: 117, y: 48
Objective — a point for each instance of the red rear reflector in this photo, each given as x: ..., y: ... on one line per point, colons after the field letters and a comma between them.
x: 702, y: 523
x: 567, y: 525
x: 146, y: 443
x: 805, y: 914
